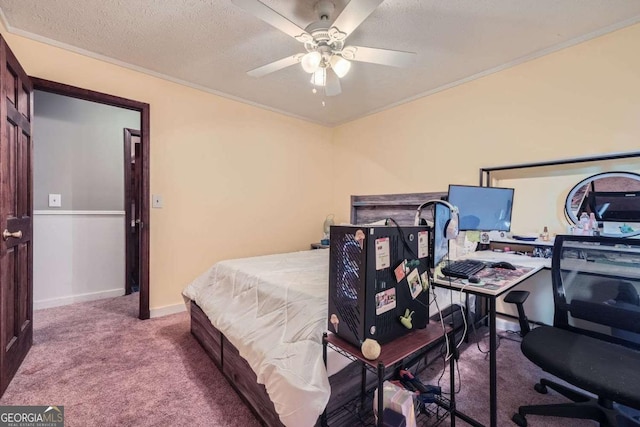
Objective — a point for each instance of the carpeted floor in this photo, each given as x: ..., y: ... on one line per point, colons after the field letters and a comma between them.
x: 110, y: 369
x: 516, y: 377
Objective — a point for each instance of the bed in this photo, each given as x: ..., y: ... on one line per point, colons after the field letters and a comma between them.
x: 261, y: 320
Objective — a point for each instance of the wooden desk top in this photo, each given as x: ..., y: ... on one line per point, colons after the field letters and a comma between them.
x: 397, y: 349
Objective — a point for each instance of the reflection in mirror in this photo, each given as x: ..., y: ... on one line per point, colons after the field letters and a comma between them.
x: 613, y: 198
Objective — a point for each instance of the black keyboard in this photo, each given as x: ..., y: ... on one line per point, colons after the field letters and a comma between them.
x: 463, y: 269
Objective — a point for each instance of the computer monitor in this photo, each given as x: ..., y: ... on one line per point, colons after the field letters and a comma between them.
x: 440, y: 245
x: 620, y: 206
x: 482, y: 208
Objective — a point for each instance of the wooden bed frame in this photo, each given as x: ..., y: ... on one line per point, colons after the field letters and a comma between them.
x: 364, y: 209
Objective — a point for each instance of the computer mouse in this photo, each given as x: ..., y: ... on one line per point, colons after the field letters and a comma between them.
x: 474, y: 279
x: 503, y: 264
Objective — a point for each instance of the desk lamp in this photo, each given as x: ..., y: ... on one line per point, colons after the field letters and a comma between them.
x: 326, y: 227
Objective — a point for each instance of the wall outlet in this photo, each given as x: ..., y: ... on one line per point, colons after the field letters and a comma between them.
x: 156, y: 201
x: 55, y: 200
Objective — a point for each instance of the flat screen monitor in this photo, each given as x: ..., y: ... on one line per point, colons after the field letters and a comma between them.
x: 440, y: 244
x: 482, y: 208
x: 621, y: 206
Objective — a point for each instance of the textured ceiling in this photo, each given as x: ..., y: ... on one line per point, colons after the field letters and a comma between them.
x: 212, y: 44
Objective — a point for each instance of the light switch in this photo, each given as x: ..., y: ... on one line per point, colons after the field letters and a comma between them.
x: 55, y: 200
x: 156, y: 201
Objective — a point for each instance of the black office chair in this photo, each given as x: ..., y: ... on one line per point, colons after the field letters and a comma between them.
x: 594, y: 343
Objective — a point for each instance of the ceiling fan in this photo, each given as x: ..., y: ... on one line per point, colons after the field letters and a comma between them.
x: 327, y: 58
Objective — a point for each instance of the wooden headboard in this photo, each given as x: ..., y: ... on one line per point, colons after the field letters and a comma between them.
x: 400, y: 207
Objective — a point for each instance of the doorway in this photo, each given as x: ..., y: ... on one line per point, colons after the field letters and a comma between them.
x: 143, y: 173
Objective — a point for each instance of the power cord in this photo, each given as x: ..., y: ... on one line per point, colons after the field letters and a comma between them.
x: 510, y: 332
x: 434, y: 300
x: 403, y: 238
x: 453, y: 317
x: 485, y: 352
x: 444, y: 369
x: 444, y: 329
x: 462, y: 310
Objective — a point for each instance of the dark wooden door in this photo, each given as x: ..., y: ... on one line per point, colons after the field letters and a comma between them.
x: 16, y: 210
x: 133, y: 208
x: 136, y: 196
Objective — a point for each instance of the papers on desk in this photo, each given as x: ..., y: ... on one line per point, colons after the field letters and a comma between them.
x: 493, y: 278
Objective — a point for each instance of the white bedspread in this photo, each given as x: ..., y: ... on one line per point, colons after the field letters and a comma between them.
x: 273, y: 310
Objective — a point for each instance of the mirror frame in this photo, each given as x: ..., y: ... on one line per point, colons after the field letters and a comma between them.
x: 573, y: 219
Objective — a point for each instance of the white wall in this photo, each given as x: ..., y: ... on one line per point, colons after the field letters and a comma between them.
x: 79, y: 152
x: 77, y: 256
x: 79, y: 248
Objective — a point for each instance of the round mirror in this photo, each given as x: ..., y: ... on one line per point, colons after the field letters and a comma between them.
x: 613, y: 198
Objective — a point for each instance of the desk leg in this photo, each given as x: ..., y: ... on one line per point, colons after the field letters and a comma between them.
x: 363, y: 385
x: 380, y: 393
x: 467, y: 314
x: 323, y: 417
x: 493, y: 348
x: 452, y: 381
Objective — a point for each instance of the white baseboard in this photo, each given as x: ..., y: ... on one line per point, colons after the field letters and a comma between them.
x: 70, y: 213
x: 507, y: 324
x: 167, y: 310
x: 92, y: 296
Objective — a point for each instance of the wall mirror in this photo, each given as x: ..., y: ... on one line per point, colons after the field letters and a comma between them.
x: 614, y: 198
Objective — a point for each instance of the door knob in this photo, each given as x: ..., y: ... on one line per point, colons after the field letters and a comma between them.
x: 6, y: 234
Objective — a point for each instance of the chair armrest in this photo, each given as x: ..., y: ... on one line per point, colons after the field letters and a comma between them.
x: 516, y: 297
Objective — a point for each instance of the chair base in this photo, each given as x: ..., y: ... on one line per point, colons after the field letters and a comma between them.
x: 583, y: 407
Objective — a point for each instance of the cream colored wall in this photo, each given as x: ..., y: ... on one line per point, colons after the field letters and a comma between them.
x: 583, y: 100
x: 236, y: 180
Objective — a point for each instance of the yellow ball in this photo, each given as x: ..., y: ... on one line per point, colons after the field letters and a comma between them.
x: 370, y: 349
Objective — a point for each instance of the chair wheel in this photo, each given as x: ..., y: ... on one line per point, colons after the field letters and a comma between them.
x: 519, y: 419
x: 540, y: 388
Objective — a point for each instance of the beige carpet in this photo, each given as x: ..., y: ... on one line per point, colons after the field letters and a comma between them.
x: 516, y: 377
x: 110, y: 369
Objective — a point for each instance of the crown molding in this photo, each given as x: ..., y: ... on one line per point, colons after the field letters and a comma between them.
x: 123, y: 64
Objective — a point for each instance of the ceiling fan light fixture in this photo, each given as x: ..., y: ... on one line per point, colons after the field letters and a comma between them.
x: 311, y: 61
x: 340, y: 65
x: 319, y: 78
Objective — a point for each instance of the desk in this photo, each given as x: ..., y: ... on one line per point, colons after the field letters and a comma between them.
x: 491, y: 289
x: 539, y: 305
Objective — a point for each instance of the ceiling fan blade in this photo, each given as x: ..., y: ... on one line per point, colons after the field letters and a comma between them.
x: 273, y: 18
x: 274, y: 66
x: 354, y: 13
x: 394, y: 58
x: 332, y: 83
